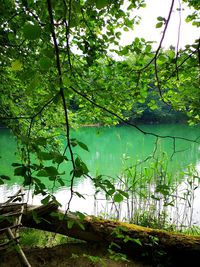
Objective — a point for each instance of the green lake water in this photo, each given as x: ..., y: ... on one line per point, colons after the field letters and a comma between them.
x: 108, y: 148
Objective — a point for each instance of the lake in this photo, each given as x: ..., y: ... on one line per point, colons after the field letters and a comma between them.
x: 111, y: 151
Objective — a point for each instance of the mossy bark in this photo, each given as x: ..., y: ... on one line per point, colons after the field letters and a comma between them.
x: 131, y: 239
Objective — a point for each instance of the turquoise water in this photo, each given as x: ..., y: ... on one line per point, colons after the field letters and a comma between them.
x: 111, y: 151
x: 108, y: 146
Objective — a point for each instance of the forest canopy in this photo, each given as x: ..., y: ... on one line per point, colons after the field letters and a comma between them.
x: 58, y: 72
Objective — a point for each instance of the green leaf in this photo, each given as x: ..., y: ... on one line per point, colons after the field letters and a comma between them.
x: 123, y: 193
x: 81, y: 225
x: 101, y: 3
x: 70, y: 224
x: 79, y: 195
x: 73, y: 143
x: 111, y: 192
x: 118, y: 34
x: 21, y: 171
x: 58, y: 158
x: 141, y: 100
x: 48, y: 52
x: 45, y: 63
x: 153, y: 107
x: 42, y: 173
x: 118, y: 198
x: 38, y: 182
x: 137, y: 241
x: 159, y: 24
x: 35, y: 82
x: 80, y: 168
x: 108, y: 184
x: 160, y: 19
x: 83, y: 146
x: 45, y: 200
x: 56, y: 99
x: 14, y: 164
x: 61, y: 182
x: 45, y: 156
x: 27, y: 180
x: 4, y: 177
x: 51, y: 171
x: 171, y: 54
x: 126, y: 29
x: 16, y: 65
x: 80, y: 215
x: 41, y: 141
x: 35, y: 217
x: 31, y: 31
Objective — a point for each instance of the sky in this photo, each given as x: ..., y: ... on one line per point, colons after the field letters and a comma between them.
x: 149, y: 14
x: 147, y: 27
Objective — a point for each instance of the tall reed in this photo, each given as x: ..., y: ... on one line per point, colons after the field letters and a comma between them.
x: 157, y: 197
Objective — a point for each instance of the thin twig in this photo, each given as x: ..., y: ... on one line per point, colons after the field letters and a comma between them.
x: 161, y: 40
x: 129, y: 123
x: 177, y: 45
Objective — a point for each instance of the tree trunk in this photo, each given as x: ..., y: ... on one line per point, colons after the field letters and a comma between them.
x: 128, y: 238
x: 131, y: 239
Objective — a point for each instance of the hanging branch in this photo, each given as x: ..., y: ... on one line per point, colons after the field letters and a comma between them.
x: 67, y: 27
x: 181, y: 64
x: 12, y: 17
x: 154, y: 59
x: 157, y: 53
x: 177, y: 45
x: 174, y: 138
x: 62, y: 97
x: 129, y: 123
x: 31, y: 117
x: 161, y: 40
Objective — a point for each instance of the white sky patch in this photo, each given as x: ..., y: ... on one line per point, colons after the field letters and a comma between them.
x: 147, y: 27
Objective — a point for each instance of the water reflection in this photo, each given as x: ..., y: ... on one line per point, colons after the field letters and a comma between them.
x: 183, y: 211
x: 108, y: 149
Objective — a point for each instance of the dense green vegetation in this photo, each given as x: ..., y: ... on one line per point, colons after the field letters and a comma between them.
x: 59, y: 71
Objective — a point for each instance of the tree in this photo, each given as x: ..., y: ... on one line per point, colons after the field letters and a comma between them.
x: 57, y: 72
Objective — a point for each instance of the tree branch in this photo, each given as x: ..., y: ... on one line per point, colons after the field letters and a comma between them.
x: 131, y: 124
x: 62, y: 96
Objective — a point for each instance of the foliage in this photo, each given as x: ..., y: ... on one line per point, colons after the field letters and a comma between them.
x: 156, y: 196
x: 58, y: 71
x: 95, y: 260
x: 35, y: 238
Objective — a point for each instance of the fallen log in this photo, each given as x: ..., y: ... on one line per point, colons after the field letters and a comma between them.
x: 134, y: 240
x: 127, y: 238
x: 29, y: 212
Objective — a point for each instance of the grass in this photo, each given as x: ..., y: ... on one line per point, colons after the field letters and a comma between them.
x: 156, y: 197
x: 37, y: 238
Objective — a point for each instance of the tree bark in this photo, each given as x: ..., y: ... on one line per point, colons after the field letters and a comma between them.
x: 129, y: 238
